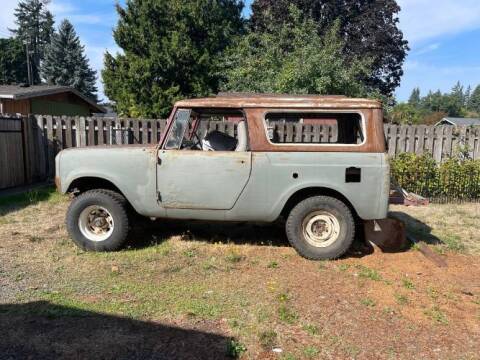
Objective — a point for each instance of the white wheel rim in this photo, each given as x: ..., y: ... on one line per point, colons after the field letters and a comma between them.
x: 96, y: 223
x: 321, y: 228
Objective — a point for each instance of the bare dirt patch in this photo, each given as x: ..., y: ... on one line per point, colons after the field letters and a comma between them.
x: 196, y: 290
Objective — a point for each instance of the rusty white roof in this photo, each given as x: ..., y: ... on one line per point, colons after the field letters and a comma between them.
x: 245, y: 100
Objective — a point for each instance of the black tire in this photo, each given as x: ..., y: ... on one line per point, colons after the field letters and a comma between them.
x: 320, y: 205
x: 116, y: 206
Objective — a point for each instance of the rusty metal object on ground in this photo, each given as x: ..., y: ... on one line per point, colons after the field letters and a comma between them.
x: 400, y: 196
x: 387, y: 234
x: 427, y: 252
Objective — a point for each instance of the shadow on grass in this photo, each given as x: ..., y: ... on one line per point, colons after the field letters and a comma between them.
x: 418, y: 229
x: 9, y: 203
x: 146, y: 233
x: 42, y: 330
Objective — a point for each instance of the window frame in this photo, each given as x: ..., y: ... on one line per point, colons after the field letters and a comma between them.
x: 171, y: 122
x: 172, y: 125
x: 314, y: 111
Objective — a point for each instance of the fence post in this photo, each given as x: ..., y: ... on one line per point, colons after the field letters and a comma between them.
x: 42, y: 148
x: 82, y: 141
x: 27, y: 148
x: 50, y: 146
x: 438, y: 143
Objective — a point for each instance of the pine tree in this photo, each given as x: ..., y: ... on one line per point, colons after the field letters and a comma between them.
x: 457, y: 93
x: 455, y: 101
x: 415, y: 97
x: 66, y: 64
x: 475, y: 100
x: 467, y: 95
x: 171, y: 50
x: 35, y: 28
x: 13, y: 63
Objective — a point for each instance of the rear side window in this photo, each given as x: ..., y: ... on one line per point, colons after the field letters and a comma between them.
x: 315, y: 128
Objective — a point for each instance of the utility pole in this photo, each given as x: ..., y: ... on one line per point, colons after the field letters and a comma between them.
x: 29, y: 68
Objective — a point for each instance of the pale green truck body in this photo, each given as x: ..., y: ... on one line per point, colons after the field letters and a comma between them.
x: 232, y: 186
x: 264, y: 174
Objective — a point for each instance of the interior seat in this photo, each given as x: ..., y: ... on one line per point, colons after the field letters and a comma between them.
x: 242, y: 136
x: 219, y: 141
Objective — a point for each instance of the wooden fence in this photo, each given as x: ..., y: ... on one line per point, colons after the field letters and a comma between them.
x: 441, y: 142
x: 12, y: 153
x: 44, y: 136
x: 22, y: 146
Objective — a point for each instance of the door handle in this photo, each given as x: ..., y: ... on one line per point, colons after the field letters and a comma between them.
x: 159, y: 161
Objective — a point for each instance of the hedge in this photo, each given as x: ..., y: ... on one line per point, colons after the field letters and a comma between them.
x: 455, y: 178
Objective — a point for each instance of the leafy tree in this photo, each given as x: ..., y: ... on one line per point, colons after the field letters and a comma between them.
x: 434, y: 101
x: 171, y: 50
x: 415, y: 97
x: 406, y: 113
x: 294, y: 58
x: 66, y: 64
x: 369, y: 29
x: 34, y: 27
x: 431, y: 118
x: 13, y: 63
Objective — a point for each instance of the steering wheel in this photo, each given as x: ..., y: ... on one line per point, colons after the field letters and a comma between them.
x: 194, y: 144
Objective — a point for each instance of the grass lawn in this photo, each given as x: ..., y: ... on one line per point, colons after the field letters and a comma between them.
x: 207, y: 290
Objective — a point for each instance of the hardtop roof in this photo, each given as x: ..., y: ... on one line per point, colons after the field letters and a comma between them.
x: 246, y: 100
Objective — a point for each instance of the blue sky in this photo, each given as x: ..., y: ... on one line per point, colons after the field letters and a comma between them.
x: 444, y: 37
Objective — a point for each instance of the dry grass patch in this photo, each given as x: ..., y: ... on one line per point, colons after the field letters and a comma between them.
x: 242, y: 282
x: 450, y: 226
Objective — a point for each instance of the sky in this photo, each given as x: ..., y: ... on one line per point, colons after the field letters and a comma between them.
x: 444, y: 37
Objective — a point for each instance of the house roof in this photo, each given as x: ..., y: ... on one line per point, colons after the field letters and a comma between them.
x: 246, y: 100
x: 19, y: 92
x: 460, y: 121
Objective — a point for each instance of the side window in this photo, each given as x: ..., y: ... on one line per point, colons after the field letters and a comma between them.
x: 204, y: 129
x: 180, y: 124
x: 314, y: 128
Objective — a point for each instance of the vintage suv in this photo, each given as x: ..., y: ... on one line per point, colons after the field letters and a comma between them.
x: 318, y: 162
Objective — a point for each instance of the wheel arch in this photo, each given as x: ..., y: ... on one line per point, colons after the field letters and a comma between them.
x: 86, y: 183
x: 307, y: 192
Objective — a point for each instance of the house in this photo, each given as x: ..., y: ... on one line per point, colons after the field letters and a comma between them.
x: 459, y: 121
x: 46, y: 100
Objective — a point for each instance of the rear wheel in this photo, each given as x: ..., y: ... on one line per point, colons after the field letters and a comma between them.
x: 97, y: 220
x: 320, y: 228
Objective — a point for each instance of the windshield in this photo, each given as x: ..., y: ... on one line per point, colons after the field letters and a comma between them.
x: 179, y: 127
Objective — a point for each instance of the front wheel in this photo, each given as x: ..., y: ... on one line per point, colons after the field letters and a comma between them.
x: 320, y: 228
x: 97, y: 220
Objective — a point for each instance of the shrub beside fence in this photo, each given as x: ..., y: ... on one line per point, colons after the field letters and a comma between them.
x: 454, y: 179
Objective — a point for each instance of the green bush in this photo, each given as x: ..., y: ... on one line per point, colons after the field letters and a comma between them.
x: 454, y: 178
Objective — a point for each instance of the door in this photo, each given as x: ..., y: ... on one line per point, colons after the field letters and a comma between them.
x: 193, y: 170
x: 201, y: 179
